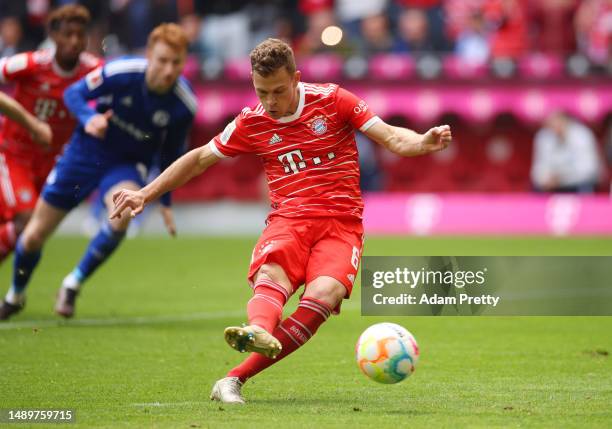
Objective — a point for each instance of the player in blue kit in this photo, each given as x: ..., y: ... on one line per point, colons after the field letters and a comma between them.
x: 143, y: 113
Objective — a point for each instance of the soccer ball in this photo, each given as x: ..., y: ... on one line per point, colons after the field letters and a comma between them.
x: 387, y: 353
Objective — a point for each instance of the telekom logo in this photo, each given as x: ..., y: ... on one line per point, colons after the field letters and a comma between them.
x: 562, y: 212
x: 424, y: 213
x: 294, y: 161
x: 290, y: 163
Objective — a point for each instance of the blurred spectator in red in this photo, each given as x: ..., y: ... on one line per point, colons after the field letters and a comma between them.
x: 472, y: 43
x: 594, y: 29
x: 308, y: 7
x: 508, y: 20
x: 552, y: 26
x: 565, y: 156
x: 458, y: 14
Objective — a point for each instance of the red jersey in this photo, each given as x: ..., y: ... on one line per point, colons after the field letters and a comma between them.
x: 310, y: 158
x: 40, y: 85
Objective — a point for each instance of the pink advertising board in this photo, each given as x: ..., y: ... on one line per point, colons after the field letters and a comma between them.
x: 499, y: 214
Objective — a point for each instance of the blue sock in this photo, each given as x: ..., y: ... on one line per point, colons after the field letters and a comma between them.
x: 100, y: 248
x: 23, y: 267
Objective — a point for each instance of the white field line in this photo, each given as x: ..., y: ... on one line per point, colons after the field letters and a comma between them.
x: 166, y: 404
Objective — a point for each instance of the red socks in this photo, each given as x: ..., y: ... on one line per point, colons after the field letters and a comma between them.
x: 265, y: 309
x: 8, y: 239
x: 292, y: 333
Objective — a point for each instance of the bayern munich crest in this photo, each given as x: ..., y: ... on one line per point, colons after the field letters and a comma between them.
x: 319, y: 126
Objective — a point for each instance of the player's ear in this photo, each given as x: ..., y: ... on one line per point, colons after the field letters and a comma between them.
x: 297, y: 77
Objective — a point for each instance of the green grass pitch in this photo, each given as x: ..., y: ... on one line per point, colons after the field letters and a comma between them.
x: 146, y: 347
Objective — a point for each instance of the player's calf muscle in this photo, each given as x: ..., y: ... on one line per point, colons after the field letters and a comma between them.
x: 121, y: 223
x: 21, y: 220
x: 43, y: 222
x: 33, y: 237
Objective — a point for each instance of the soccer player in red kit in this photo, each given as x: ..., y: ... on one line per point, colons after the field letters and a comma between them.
x: 39, y: 131
x: 40, y: 79
x: 304, y: 135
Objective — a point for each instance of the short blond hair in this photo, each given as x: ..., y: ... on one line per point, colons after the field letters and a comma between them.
x: 270, y: 55
x: 169, y: 33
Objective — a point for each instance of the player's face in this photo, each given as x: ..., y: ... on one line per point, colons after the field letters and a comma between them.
x: 165, y: 66
x: 278, y: 92
x: 70, y: 40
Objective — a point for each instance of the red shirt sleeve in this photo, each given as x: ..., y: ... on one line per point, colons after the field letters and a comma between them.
x: 90, y: 62
x: 16, y: 67
x: 354, y: 110
x: 232, y: 141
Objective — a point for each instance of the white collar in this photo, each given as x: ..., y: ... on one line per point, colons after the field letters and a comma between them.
x: 298, y: 111
x: 64, y: 73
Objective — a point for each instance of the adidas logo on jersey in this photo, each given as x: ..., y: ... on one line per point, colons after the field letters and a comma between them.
x: 275, y: 139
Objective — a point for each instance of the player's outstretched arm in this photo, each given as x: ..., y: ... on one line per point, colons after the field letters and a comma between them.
x: 76, y: 98
x: 191, y: 164
x: 405, y: 142
x: 40, y: 131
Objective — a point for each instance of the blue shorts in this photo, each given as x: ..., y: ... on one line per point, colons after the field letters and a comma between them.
x: 72, y: 180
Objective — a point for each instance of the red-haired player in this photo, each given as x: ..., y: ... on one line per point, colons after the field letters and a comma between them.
x: 40, y: 79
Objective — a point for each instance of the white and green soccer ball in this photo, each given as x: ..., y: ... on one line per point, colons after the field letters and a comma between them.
x: 387, y: 353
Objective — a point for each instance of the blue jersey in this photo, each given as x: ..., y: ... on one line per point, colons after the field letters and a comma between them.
x: 144, y: 128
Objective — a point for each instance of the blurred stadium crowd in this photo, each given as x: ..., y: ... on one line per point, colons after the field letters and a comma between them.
x: 476, y: 30
x: 548, y: 48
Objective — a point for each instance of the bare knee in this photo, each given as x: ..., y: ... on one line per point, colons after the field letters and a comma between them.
x: 326, y: 289
x: 275, y: 273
